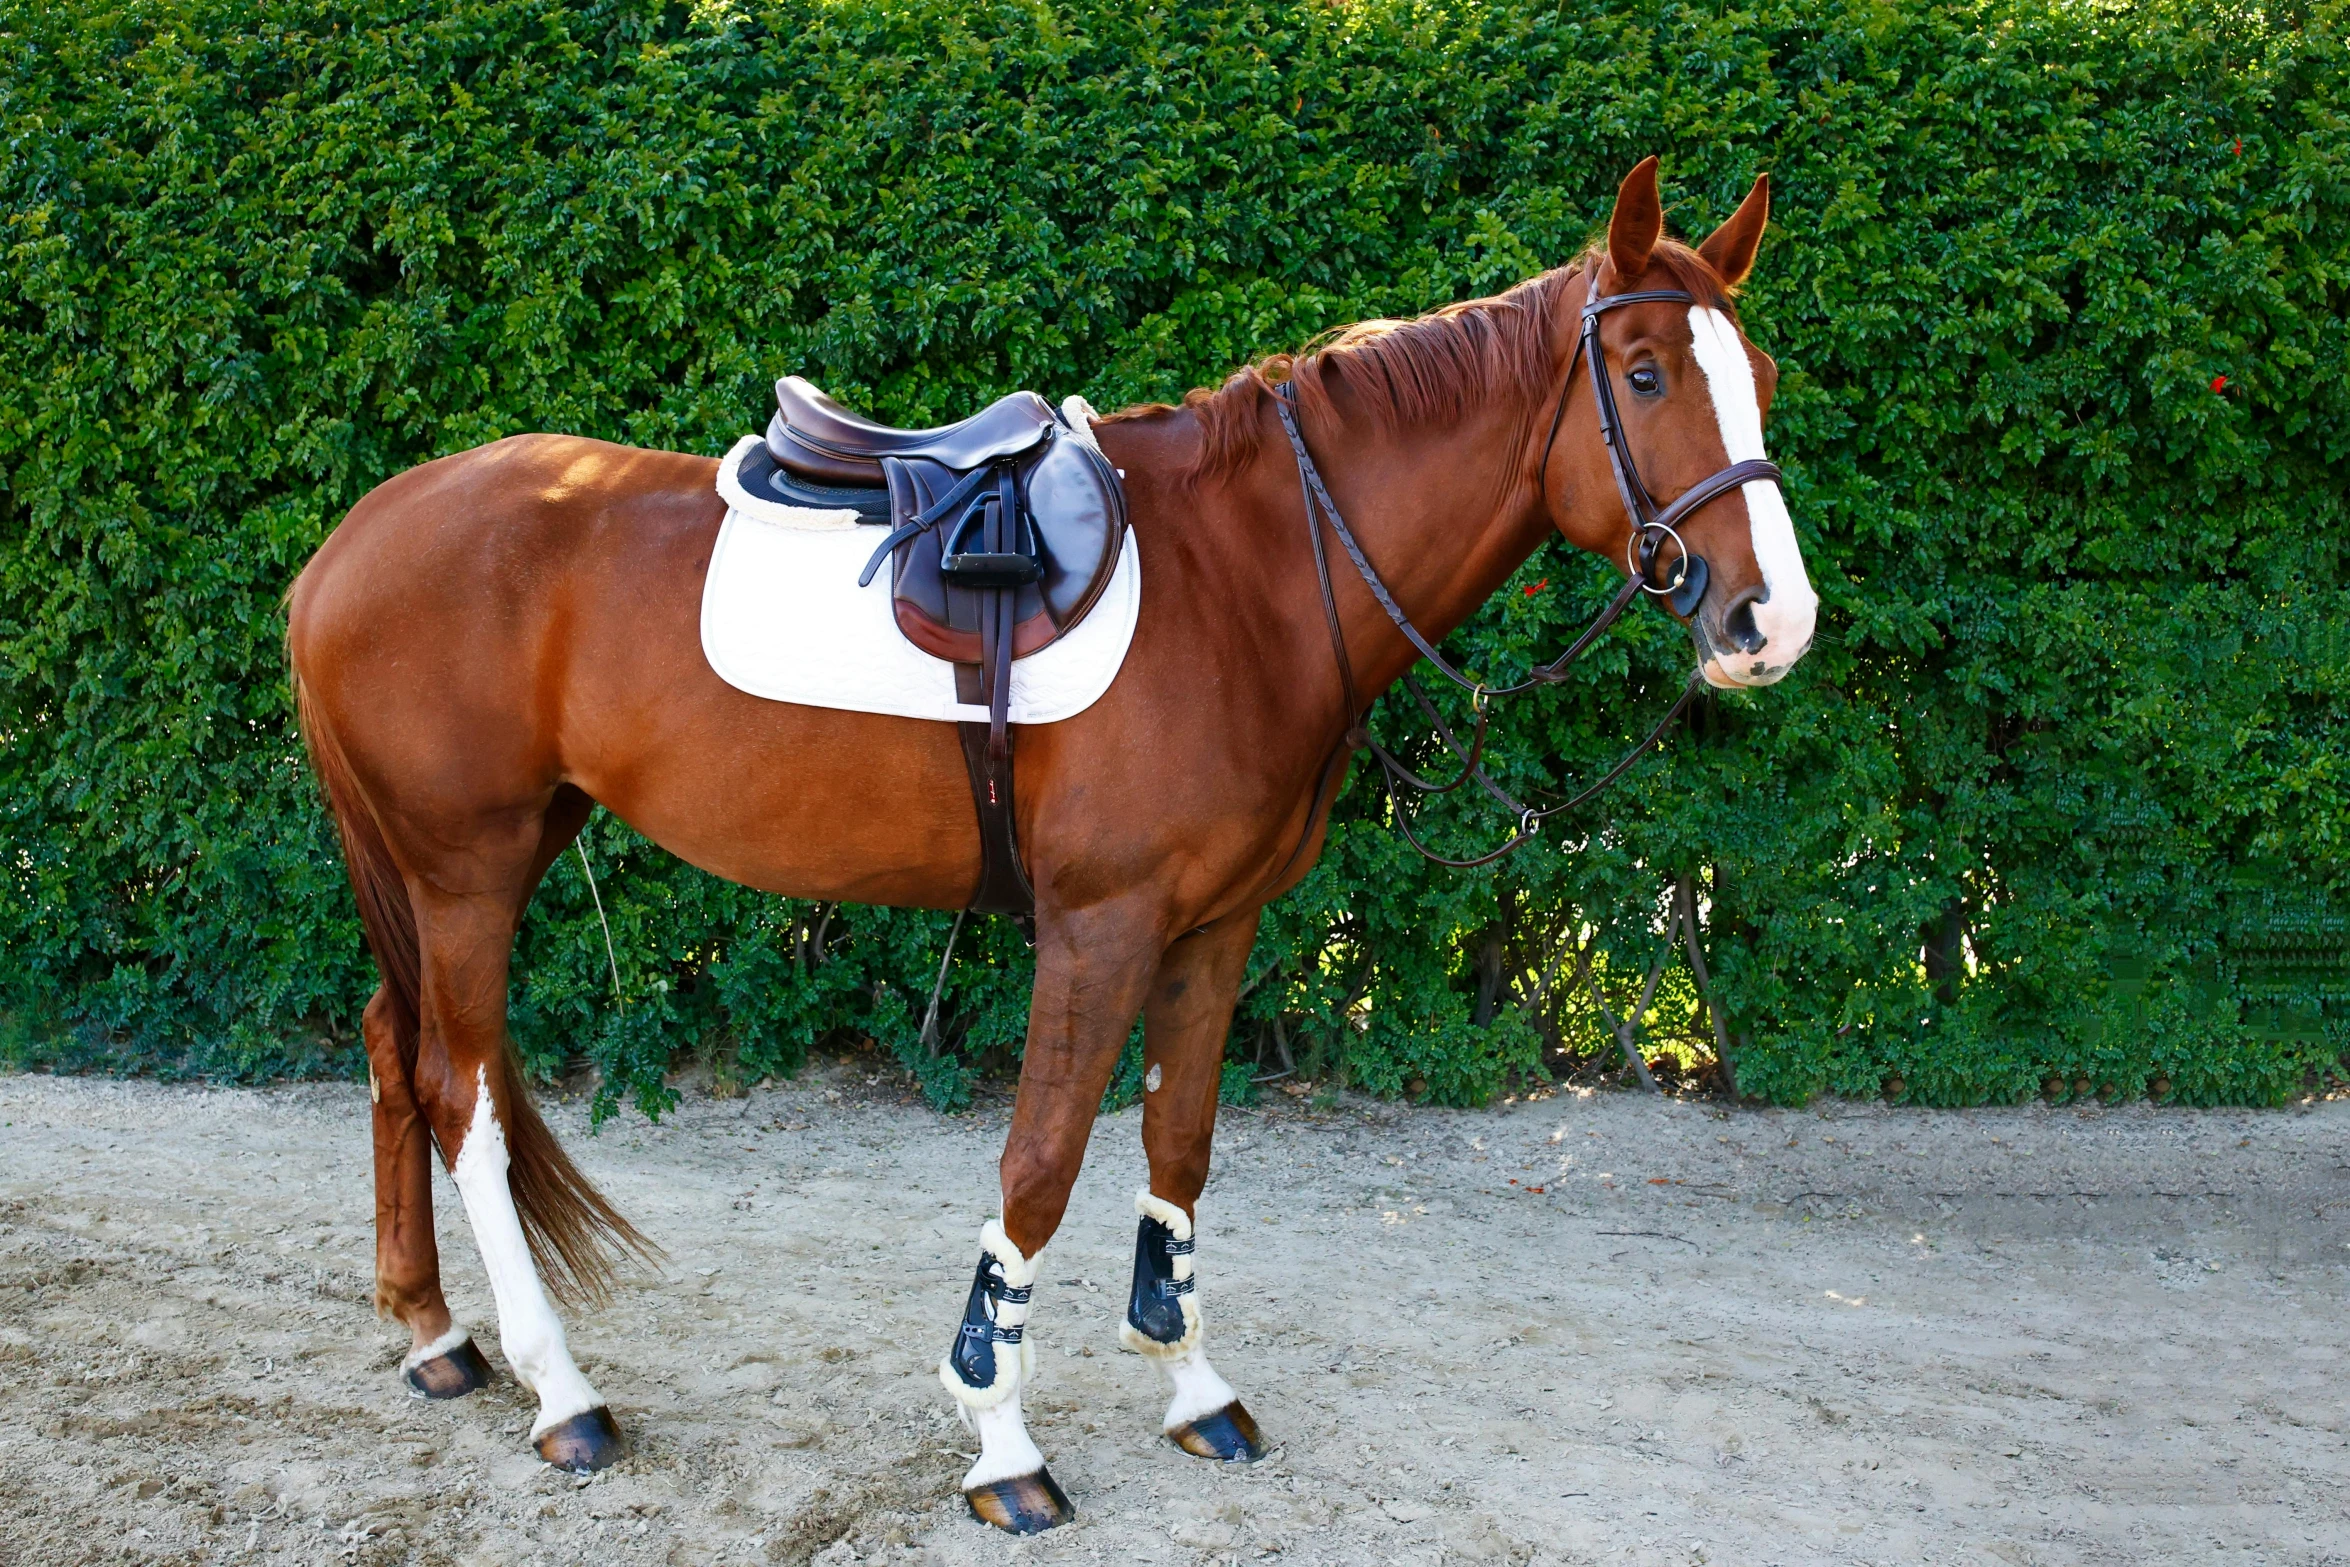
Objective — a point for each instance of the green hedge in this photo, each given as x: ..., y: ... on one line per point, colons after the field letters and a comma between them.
x: 2059, y: 799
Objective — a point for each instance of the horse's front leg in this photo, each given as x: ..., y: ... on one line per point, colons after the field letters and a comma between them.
x: 1092, y: 970
x: 1185, y: 1024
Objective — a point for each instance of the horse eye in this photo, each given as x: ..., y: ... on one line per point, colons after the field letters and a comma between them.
x: 1648, y: 381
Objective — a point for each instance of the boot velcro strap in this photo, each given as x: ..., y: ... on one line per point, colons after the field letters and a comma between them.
x: 1010, y: 1295
x: 1172, y: 1287
x: 995, y: 1331
x: 1180, y: 1248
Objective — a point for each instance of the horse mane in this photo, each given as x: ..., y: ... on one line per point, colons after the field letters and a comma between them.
x: 1422, y: 371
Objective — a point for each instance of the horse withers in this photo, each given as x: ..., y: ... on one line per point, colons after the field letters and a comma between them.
x: 495, y: 642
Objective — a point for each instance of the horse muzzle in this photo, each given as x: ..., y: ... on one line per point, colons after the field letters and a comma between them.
x: 1753, y: 641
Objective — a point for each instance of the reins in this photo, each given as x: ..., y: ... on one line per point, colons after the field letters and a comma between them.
x: 1652, y: 525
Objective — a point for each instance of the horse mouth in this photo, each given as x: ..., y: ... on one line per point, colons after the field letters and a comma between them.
x: 1747, y: 676
x: 1736, y: 671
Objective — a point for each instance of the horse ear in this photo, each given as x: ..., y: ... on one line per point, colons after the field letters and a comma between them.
x: 1730, y: 249
x: 1639, y: 222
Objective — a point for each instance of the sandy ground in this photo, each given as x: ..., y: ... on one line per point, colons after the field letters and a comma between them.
x: 1851, y: 1334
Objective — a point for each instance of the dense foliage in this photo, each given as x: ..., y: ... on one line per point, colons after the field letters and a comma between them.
x: 2057, y: 804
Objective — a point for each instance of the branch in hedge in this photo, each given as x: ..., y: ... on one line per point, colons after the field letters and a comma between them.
x: 1686, y: 909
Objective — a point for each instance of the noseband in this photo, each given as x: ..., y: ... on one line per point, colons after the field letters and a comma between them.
x: 1652, y: 525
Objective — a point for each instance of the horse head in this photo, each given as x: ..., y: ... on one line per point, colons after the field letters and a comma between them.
x: 1682, y: 406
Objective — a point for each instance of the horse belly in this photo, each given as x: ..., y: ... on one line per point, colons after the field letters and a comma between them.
x: 806, y: 802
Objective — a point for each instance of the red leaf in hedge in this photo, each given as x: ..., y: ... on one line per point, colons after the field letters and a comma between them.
x: 2219, y: 383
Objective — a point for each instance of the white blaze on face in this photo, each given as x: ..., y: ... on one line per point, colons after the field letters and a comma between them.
x: 1789, y: 608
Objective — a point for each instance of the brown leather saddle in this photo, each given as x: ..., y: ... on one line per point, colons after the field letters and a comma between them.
x: 1004, y: 530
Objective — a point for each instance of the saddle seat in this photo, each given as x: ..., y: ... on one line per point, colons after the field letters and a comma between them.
x: 818, y: 439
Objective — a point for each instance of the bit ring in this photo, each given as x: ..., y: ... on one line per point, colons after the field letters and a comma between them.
x: 1681, y: 567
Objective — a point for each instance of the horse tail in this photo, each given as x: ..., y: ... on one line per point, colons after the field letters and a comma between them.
x: 577, y: 1238
x: 384, y: 910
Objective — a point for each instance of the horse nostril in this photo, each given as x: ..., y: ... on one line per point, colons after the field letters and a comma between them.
x: 1738, y: 625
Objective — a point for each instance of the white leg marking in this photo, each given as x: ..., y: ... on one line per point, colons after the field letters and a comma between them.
x: 448, y: 1341
x: 529, y: 1333
x: 1005, y: 1450
x: 1790, y: 609
x: 1199, y: 1391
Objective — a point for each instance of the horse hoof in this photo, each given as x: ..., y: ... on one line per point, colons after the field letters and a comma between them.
x: 459, y: 1372
x: 1024, y: 1504
x: 1230, y: 1435
x: 584, y: 1443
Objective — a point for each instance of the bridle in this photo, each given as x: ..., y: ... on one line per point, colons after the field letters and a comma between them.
x: 1652, y: 525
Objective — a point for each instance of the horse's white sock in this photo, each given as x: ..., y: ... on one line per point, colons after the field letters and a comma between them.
x: 529, y: 1333
x: 457, y: 1335
x: 1199, y: 1391
x: 991, y: 1360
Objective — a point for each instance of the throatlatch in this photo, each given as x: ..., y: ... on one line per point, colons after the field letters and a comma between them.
x: 1205, y: 1417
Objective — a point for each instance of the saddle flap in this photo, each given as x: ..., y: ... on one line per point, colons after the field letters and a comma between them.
x: 1073, y: 513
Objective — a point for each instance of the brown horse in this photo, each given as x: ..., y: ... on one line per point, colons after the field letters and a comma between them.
x: 495, y: 642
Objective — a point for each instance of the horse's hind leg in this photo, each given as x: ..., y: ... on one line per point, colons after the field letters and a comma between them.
x: 473, y: 1094
x: 1185, y: 1023
x: 441, y: 1361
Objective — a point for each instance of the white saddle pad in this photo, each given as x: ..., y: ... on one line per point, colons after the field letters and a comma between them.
x: 783, y: 618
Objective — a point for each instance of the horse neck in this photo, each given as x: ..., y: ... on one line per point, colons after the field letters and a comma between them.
x: 1444, y: 514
